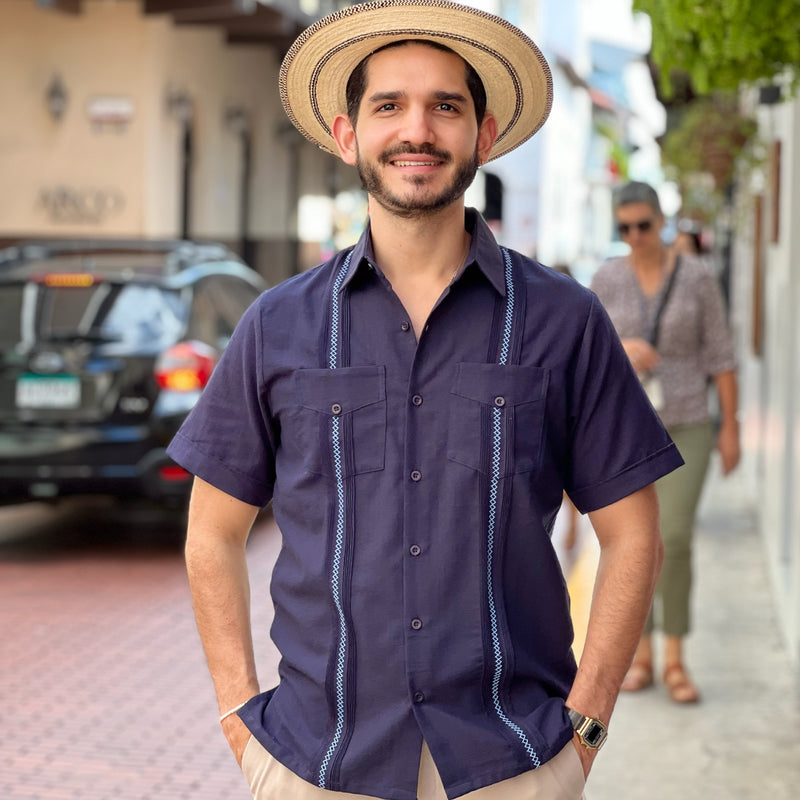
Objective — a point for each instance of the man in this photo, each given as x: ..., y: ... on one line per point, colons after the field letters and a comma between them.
x: 414, y: 409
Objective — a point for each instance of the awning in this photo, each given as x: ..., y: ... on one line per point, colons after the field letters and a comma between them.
x: 270, y: 22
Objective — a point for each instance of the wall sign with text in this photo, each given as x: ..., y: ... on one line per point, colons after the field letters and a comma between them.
x: 81, y: 206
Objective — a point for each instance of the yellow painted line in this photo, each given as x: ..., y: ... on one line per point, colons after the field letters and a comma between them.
x: 580, y: 583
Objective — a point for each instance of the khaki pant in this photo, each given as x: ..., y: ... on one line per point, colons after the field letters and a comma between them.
x: 678, y: 498
x: 561, y: 778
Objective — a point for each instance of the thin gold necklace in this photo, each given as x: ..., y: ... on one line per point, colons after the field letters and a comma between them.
x: 459, y: 266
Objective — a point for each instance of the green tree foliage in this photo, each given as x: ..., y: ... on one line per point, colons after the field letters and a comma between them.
x: 711, y: 138
x: 724, y: 43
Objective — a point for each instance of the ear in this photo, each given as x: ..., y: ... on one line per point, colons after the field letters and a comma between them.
x: 487, y: 133
x: 345, y: 137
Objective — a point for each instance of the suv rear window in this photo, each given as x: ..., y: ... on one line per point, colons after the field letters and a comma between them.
x: 133, y: 314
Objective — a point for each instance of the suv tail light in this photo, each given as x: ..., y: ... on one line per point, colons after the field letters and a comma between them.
x: 185, y: 367
x: 66, y: 280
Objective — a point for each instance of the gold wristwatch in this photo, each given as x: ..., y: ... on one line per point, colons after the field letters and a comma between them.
x: 591, y: 732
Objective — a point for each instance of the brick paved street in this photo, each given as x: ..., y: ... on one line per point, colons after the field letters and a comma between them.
x: 104, y: 692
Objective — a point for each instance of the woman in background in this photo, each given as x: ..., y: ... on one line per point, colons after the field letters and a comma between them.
x: 669, y: 312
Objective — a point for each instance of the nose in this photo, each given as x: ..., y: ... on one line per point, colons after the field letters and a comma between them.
x: 416, y: 127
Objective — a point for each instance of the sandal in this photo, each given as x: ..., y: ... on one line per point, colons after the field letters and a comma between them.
x: 639, y: 676
x: 679, y: 686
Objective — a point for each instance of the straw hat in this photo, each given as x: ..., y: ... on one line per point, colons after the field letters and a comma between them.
x: 515, y: 75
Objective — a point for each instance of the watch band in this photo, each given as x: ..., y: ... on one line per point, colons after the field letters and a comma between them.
x: 591, y: 732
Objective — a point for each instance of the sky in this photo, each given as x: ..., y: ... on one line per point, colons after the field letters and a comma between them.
x: 613, y: 21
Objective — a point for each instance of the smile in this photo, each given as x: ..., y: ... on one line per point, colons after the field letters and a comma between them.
x: 415, y: 163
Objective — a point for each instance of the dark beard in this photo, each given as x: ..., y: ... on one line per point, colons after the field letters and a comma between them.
x: 417, y: 208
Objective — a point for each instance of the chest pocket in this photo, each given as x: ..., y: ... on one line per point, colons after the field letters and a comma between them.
x: 517, y: 394
x: 356, y: 397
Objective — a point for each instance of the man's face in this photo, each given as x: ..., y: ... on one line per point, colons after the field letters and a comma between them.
x: 417, y: 144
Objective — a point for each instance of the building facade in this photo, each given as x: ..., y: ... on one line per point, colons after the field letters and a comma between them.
x: 154, y: 118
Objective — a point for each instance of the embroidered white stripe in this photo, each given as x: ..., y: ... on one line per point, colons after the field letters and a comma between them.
x: 338, y: 549
x: 497, y: 440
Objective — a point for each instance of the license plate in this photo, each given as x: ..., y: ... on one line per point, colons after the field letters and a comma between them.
x: 48, y: 391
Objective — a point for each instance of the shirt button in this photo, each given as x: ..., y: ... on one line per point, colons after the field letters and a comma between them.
x: 419, y: 697
x: 499, y: 401
x: 416, y: 475
x: 405, y: 326
x: 417, y: 399
x: 336, y: 409
x: 415, y: 549
x: 416, y: 624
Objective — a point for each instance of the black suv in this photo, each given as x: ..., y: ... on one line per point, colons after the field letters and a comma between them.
x: 105, y: 346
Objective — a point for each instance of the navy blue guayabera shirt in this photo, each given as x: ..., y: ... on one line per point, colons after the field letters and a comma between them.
x: 415, y: 483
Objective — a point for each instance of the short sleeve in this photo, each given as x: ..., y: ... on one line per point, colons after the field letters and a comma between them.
x: 617, y: 442
x: 717, y: 353
x: 229, y: 438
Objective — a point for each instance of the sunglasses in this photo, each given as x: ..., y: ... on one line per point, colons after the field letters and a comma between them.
x: 642, y: 226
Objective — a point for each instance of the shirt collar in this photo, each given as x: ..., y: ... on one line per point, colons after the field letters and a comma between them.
x: 483, y: 251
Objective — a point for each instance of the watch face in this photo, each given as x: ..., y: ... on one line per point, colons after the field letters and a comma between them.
x: 594, y: 733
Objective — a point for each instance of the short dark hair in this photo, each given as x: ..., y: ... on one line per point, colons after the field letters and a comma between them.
x: 357, y: 82
x: 637, y: 192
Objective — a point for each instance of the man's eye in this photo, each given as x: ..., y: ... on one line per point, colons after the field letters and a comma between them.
x: 387, y: 107
x: 446, y: 107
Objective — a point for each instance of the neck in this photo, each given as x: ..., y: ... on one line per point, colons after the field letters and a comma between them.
x: 651, y: 261
x: 428, y: 248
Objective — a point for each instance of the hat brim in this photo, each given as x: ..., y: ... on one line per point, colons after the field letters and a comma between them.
x: 515, y: 74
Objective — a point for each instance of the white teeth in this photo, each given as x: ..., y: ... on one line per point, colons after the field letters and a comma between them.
x: 415, y: 163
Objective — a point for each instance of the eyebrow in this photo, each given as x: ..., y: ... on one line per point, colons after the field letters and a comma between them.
x: 440, y: 96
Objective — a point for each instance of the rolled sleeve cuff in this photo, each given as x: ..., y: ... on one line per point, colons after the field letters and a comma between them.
x: 630, y: 480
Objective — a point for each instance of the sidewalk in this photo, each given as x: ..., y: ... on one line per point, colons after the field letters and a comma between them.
x: 742, y: 741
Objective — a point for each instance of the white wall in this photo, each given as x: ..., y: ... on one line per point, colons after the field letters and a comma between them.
x: 770, y: 382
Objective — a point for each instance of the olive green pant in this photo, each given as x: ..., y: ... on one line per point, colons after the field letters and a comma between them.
x: 678, y: 497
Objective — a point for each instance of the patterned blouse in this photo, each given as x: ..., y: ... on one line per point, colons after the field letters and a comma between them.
x: 693, y: 337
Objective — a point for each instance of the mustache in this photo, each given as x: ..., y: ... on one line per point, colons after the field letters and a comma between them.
x: 411, y: 150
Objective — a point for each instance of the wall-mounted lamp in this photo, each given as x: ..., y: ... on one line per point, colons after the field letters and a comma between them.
x: 56, y: 97
x: 236, y: 119
x: 179, y: 105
